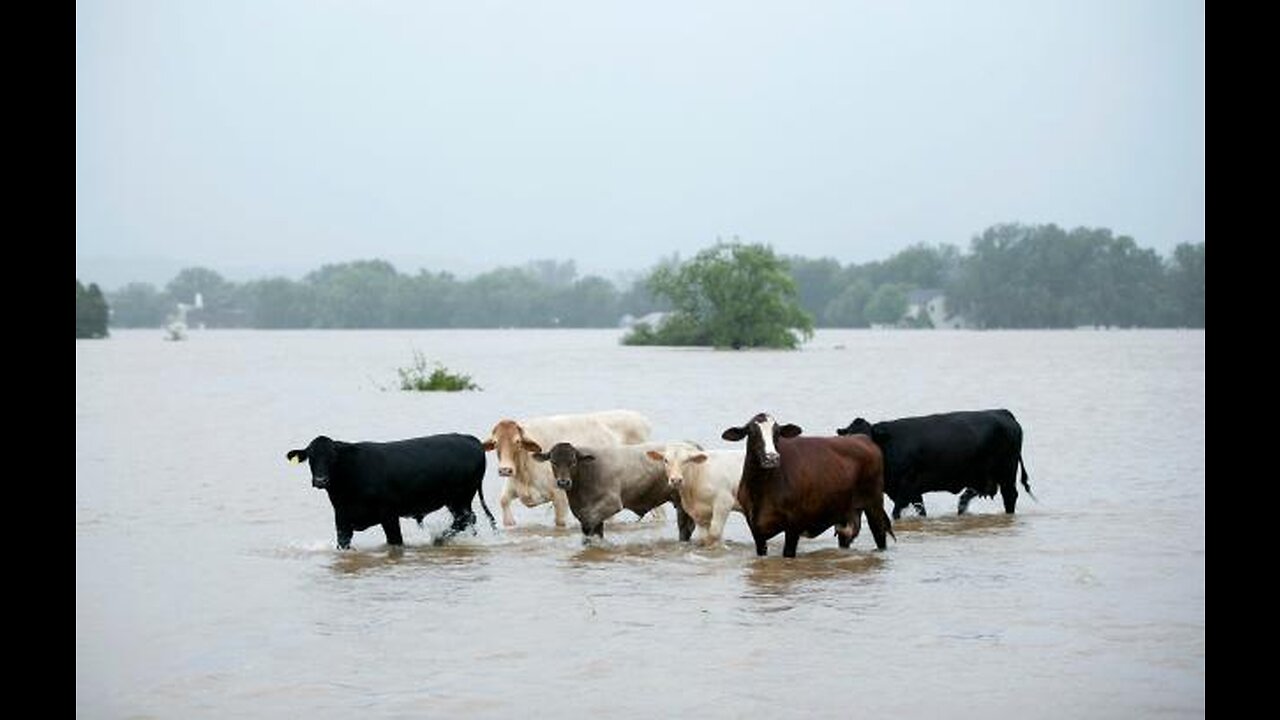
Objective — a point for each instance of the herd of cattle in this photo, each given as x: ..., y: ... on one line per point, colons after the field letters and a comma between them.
x: 594, y: 465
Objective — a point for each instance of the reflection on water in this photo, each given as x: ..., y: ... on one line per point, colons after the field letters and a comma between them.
x: 998, y: 523
x: 209, y: 584
x: 438, y: 556
x: 781, y: 577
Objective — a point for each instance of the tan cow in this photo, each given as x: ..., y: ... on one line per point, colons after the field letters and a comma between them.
x: 601, y: 481
x: 532, y: 482
x: 707, y: 481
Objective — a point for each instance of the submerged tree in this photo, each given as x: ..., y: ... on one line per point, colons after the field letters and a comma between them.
x: 729, y: 295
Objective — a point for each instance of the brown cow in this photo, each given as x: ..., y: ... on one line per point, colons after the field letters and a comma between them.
x: 804, y: 485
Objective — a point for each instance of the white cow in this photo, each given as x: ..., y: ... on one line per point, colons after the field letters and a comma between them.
x: 707, y: 481
x: 532, y: 482
x: 631, y: 427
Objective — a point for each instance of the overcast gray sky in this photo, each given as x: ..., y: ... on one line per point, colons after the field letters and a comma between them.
x: 265, y: 136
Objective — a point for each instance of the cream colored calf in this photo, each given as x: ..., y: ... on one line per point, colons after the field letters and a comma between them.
x: 707, y: 481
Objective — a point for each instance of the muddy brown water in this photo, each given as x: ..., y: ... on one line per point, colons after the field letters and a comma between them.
x: 207, y: 583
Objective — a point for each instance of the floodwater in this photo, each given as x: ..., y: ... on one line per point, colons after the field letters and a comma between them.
x: 208, y: 584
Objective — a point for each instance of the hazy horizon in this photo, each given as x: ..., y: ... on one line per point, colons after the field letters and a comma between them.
x: 270, y: 138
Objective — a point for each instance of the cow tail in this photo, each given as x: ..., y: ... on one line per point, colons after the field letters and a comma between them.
x: 1025, y: 486
x: 480, y: 494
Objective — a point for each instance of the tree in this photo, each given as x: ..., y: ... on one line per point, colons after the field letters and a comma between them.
x: 277, y: 303
x: 818, y: 282
x: 1026, y: 276
x: 91, y: 311
x: 1186, y: 285
x: 138, y: 305
x: 353, y: 294
x: 887, y: 304
x: 218, y: 308
x: 846, y: 309
x: 729, y: 295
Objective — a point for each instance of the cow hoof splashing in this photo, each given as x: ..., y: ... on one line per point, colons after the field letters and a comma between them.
x: 371, y: 483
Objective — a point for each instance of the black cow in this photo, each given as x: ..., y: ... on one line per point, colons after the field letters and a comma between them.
x: 976, y: 452
x: 379, y: 483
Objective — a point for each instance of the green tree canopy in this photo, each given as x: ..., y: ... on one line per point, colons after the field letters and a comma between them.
x: 887, y: 304
x: 729, y: 295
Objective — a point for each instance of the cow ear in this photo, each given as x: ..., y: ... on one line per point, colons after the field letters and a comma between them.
x: 585, y: 458
x: 697, y: 459
x: 843, y: 431
x: 531, y: 446
x: 296, y: 456
x: 541, y: 456
x: 654, y: 455
x: 488, y: 445
x: 734, y: 434
x: 789, y: 430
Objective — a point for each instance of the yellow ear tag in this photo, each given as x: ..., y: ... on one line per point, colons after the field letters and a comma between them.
x: 294, y: 460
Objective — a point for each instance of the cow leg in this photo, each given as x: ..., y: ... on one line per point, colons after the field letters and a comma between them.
x: 463, y: 518
x: 715, y: 530
x: 598, y: 530
x: 560, y: 502
x: 684, y: 521
x: 344, y: 537
x: 897, y: 509
x: 762, y: 543
x: 844, y: 537
x: 789, y: 547
x: 919, y: 506
x: 391, y: 527
x: 880, y: 525
x: 508, y: 494
x: 965, y: 497
x: 1009, y: 493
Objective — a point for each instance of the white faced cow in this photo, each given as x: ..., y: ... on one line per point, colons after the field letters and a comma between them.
x: 707, y: 481
x: 533, y: 483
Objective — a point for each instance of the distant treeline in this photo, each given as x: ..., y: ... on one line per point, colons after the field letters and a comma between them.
x: 1013, y: 276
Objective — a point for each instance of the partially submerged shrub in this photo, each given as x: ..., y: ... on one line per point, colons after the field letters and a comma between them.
x: 423, y: 376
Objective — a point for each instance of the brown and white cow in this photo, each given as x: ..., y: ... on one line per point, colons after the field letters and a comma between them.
x: 604, y: 480
x: 533, y: 483
x: 804, y: 485
x: 707, y: 481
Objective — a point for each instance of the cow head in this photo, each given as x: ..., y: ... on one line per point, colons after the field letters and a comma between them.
x: 762, y: 433
x: 508, y: 439
x: 322, y: 455
x: 676, y: 457
x: 564, y: 459
x: 857, y: 427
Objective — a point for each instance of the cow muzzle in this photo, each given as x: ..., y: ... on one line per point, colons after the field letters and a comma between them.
x: 675, y: 481
x: 320, y: 482
x: 506, y: 472
x: 564, y: 483
x: 769, y: 460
